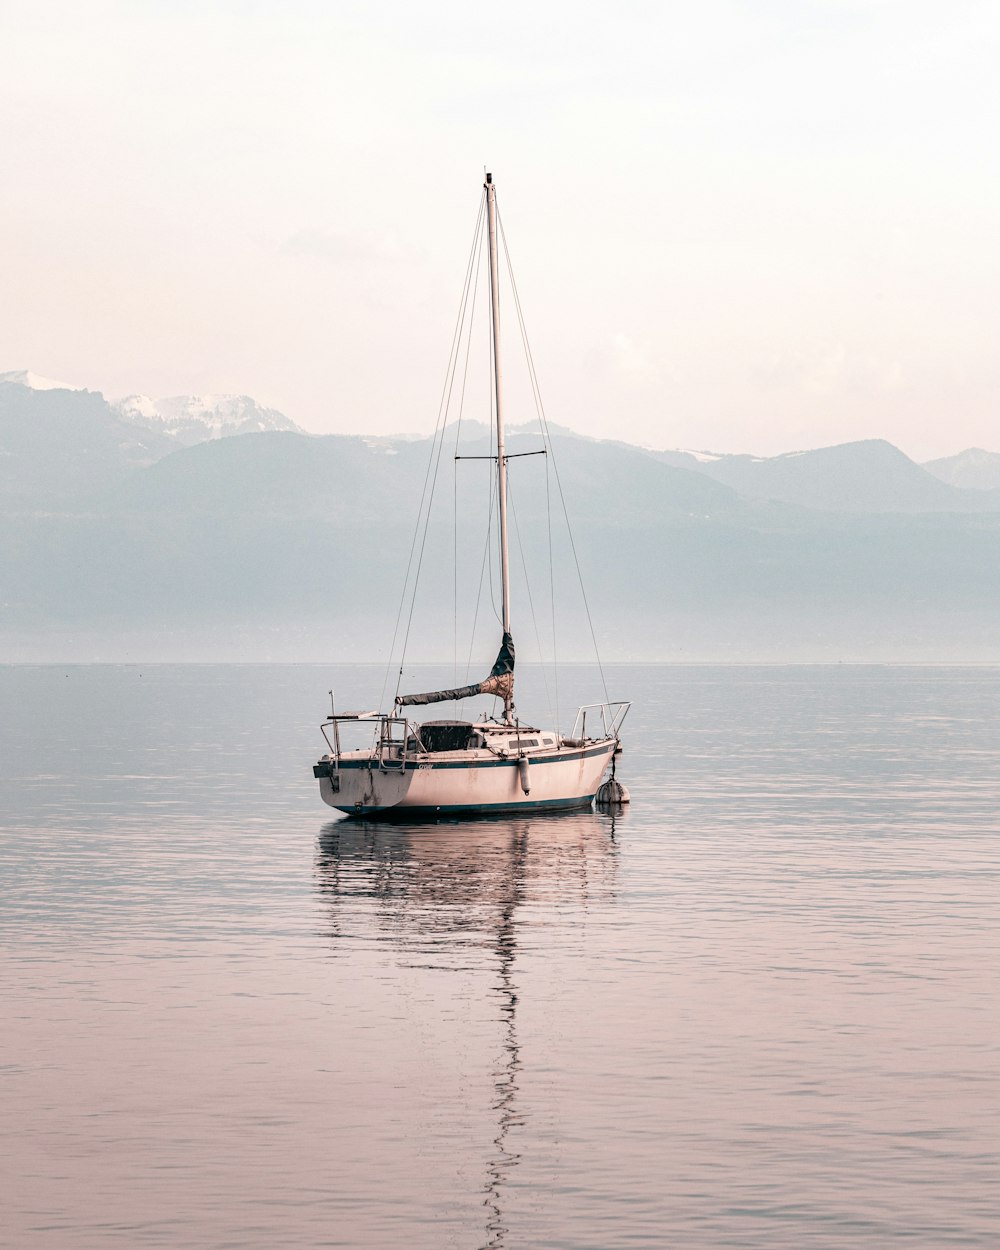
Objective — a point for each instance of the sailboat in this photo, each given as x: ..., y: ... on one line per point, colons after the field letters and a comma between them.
x: 412, y: 770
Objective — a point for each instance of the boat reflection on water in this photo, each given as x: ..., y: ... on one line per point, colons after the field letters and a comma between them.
x: 449, y: 887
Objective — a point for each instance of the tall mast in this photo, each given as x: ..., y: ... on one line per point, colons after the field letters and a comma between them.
x: 491, y: 216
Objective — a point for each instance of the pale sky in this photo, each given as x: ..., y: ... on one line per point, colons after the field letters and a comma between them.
x: 735, y: 226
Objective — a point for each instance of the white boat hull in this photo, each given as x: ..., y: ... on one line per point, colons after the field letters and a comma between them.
x: 467, y: 782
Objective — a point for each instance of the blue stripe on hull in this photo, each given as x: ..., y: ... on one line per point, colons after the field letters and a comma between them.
x: 511, y: 762
x: 471, y: 810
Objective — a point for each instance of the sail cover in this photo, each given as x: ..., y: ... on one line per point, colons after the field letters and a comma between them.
x: 500, y: 682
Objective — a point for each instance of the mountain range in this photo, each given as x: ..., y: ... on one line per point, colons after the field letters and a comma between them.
x: 868, y: 476
x: 190, y: 419
x: 210, y: 527
x: 973, y: 469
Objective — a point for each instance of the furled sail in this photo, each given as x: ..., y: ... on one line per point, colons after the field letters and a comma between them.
x: 500, y: 682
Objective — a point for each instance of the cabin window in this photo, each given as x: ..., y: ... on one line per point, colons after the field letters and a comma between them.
x: 449, y: 736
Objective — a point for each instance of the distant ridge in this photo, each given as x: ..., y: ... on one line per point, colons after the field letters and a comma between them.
x: 972, y: 469
x: 35, y: 382
x: 866, y: 476
x: 57, y: 444
x: 112, y: 528
x: 192, y: 419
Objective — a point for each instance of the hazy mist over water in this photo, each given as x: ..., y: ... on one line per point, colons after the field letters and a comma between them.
x: 119, y: 544
x: 760, y: 1009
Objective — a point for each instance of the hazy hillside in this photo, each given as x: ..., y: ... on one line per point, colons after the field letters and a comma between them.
x: 56, y: 445
x: 61, y: 444
x: 114, y: 542
x: 972, y: 469
x: 868, y: 476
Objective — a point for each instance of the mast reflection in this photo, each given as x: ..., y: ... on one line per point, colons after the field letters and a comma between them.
x: 435, y: 887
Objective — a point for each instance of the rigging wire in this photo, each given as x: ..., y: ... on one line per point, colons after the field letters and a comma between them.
x: 458, y: 435
x: 479, y: 590
x: 493, y: 595
x: 427, y: 516
x: 546, y: 434
x: 421, y: 529
x: 434, y: 460
x: 527, y: 587
x: 552, y: 592
x: 493, y: 450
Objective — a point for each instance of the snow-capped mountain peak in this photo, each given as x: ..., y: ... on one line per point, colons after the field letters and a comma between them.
x: 194, y: 418
x: 35, y: 382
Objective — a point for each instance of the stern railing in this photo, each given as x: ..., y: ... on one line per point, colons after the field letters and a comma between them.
x: 387, y: 749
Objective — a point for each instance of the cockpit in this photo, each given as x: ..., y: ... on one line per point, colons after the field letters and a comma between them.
x: 445, y: 735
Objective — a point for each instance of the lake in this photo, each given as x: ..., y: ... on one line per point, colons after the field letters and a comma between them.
x: 760, y: 1008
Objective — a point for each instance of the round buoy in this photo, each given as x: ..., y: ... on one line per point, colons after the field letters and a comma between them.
x: 612, y: 794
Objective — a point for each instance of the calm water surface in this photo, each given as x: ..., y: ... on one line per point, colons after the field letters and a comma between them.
x: 761, y: 1009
